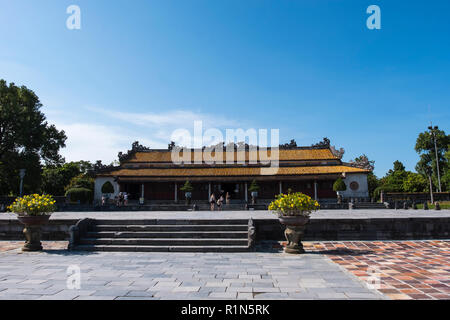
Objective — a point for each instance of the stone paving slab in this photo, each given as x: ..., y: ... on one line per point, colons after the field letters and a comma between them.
x: 109, y: 276
x: 259, y: 214
x: 329, y: 270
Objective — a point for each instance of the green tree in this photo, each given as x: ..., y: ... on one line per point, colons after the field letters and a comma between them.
x: 364, y: 163
x: 426, y: 149
x: 414, y: 182
x: 56, y: 179
x: 445, y: 179
x: 81, y: 181
x: 393, y: 181
x: 26, y: 139
x: 373, y: 183
x: 339, y: 185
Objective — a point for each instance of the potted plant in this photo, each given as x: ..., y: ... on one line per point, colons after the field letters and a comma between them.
x: 293, y: 211
x: 254, y: 188
x: 187, y: 189
x: 33, y: 211
x: 339, y: 185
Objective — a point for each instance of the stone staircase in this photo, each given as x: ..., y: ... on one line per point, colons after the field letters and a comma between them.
x: 191, y: 235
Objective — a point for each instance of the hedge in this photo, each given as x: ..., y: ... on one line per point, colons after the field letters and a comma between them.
x: 85, y: 196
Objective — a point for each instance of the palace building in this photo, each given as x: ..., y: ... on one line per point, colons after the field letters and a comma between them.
x: 152, y: 174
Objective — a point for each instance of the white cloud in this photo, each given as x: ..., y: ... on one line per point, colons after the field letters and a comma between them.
x: 90, y: 142
x: 94, y: 142
x: 173, y: 119
x: 101, y: 138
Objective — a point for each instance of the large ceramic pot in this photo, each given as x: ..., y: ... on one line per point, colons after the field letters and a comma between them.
x: 295, y: 228
x: 32, y: 231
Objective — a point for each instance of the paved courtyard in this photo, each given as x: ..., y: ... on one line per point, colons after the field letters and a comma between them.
x: 243, y: 214
x: 329, y: 270
x: 253, y: 275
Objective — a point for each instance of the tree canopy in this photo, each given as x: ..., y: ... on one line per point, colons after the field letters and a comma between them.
x: 427, y: 165
x: 393, y: 180
x: 26, y: 139
x: 57, y: 179
x: 445, y: 179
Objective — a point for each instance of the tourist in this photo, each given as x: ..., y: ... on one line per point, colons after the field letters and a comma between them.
x: 120, y: 199
x: 103, y: 199
x: 227, y: 198
x: 125, y: 198
x: 212, y: 201
x: 219, y: 203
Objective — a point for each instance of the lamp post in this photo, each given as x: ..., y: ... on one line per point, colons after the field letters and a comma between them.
x: 21, y: 175
x: 433, y: 133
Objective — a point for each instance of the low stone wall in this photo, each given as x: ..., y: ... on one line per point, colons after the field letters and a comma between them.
x: 271, y: 229
x: 55, y: 230
x: 361, y: 229
x: 418, y: 197
x: 177, y: 207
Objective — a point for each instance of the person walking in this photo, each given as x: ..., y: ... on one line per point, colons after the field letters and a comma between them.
x: 125, y: 198
x: 219, y: 203
x: 212, y: 201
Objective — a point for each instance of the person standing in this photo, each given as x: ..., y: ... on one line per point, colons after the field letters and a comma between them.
x: 120, y: 199
x: 125, y: 198
x: 212, y: 201
x: 227, y: 198
x: 219, y: 203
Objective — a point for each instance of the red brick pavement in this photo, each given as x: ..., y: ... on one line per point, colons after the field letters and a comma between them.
x: 406, y: 269
x: 17, y: 245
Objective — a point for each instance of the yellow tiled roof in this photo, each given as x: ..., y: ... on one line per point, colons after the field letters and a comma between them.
x: 232, y: 171
x: 291, y: 154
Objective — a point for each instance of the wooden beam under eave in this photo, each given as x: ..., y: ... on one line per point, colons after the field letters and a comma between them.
x: 230, y: 178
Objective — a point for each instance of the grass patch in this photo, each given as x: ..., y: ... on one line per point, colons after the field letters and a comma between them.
x: 443, y: 204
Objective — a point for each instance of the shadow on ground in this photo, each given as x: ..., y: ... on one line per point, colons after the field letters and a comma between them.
x: 275, y: 247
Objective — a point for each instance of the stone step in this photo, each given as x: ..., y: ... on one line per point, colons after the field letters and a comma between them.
x: 170, y: 234
x: 241, y: 222
x: 166, y: 241
x: 119, y: 248
x: 171, y: 228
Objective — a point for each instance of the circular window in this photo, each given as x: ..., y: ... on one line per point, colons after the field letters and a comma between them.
x: 354, y: 185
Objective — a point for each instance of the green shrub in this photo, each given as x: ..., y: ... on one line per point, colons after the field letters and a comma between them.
x: 339, y: 185
x: 253, y: 187
x: 81, y: 181
x: 83, y: 195
x: 107, y: 187
x: 187, y: 187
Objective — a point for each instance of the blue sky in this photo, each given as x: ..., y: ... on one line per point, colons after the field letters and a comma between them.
x: 137, y: 70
